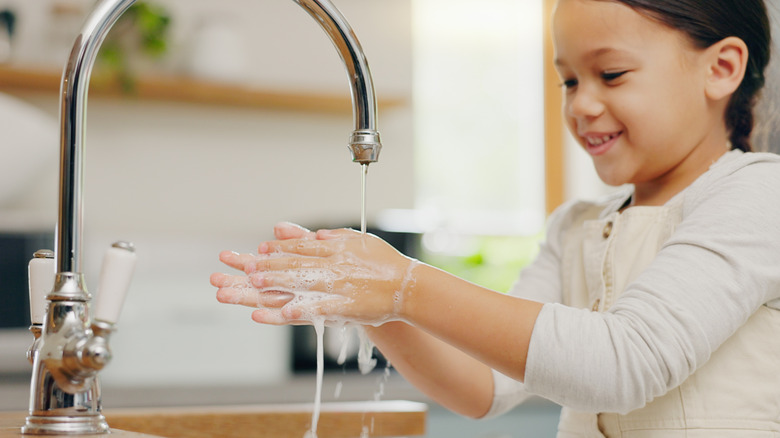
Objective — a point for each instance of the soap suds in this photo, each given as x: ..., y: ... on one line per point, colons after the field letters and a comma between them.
x: 398, y: 298
x: 366, y: 361
x: 305, y: 290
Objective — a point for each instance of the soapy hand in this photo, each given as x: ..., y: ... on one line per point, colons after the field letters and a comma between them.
x: 335, y: 275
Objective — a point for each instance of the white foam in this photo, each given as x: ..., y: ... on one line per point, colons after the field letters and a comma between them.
x: 398, y: 297
x: 242, y: 290
x: 366, y: 361
x: 345, y: 342
x: 312, y: 287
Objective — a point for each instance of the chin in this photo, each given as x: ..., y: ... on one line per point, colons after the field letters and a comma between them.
x: 612, y: 179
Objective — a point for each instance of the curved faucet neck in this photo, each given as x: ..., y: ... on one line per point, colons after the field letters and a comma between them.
x: 335, y: 25
x: 364, y: 142
x: 73, y: 123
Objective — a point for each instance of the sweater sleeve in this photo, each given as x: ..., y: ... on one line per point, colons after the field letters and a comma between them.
x: 715, y: 271
x: 539, y: 281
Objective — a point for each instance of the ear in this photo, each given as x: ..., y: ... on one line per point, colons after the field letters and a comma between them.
x: 726, y: 67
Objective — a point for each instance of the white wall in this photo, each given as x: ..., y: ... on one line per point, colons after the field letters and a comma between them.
x: 185, y: 181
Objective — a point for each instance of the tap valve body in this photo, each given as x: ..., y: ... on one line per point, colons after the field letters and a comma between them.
x: 69, y: 350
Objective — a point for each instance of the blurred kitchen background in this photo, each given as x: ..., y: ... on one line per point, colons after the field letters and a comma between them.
x: 209, y: 122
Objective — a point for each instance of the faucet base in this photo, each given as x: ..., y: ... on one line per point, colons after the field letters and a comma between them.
x: 55, y: 411
x: 65, y: 425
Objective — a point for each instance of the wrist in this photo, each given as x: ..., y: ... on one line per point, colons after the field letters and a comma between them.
x: 419, y: 291
x: 406, y: 290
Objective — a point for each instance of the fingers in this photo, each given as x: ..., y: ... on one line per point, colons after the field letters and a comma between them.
x: 229, y: 281
x: 287, y: 230
x: 234, y: 290
x: 275, y: 260
x: 293, y: 239
x: 279, y: 307
x: 292, y: 279
x: 283, y: 270
x: 302, y: 247
x: 236, y: 260
x: 239, y: 290
x: 304, y: 310
x: 337, y: 234
x: 275, y: 317
x: 282, y: 231
x: 269, y: 316
x: 302, y: 289
x: 271, y: 299
x: 302, y: 280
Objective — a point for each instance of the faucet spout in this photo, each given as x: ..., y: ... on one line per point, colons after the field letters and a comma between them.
x: 364, y: 143
x: 65, y: 391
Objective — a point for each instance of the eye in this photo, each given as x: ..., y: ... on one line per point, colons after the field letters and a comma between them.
x: 610, y: 76
x: 569, y: 83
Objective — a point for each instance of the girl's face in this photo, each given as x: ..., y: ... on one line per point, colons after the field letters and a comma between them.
x: 634, y: 97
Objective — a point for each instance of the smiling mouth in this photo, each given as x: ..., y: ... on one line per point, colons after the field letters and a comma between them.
x: 600, y: 140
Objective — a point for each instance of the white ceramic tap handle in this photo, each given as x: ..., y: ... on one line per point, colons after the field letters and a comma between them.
x: 115, y: 276
x: 40, y: 275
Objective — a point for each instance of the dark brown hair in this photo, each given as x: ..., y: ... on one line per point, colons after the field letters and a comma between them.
x: 708, y: 21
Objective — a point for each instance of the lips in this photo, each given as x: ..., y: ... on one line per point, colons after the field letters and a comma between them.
x: 600, y: 143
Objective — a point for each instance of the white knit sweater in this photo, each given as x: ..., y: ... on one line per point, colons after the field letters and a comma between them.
x: 721, y: 264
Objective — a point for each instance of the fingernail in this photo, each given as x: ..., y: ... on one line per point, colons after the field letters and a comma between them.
x: 263, y: 248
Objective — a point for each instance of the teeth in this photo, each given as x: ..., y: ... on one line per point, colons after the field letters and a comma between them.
x: 597, y: 141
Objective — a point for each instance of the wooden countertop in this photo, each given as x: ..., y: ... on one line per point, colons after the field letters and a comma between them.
x: 337, y: 420
x: 11, y: 423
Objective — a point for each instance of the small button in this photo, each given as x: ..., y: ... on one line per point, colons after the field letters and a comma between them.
x: 596, y: 305
x: 607, y: 230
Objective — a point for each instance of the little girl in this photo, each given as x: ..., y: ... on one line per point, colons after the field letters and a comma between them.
x: 653, y: 313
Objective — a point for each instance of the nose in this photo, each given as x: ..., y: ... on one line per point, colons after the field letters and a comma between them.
x: 583, y: 103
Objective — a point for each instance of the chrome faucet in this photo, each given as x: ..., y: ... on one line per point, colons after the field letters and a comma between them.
x: 69, y: 350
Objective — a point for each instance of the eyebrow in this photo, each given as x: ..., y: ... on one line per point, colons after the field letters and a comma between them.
x: 592, y: 54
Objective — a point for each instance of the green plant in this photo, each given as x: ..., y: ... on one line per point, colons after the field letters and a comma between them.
x: 142, y: 31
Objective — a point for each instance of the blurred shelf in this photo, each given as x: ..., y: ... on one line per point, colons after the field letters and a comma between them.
x: 185, y: 89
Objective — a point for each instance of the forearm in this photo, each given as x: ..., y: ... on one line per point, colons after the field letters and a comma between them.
x: 493, y: 328
x: 447, y: 375
x: 463, y: 329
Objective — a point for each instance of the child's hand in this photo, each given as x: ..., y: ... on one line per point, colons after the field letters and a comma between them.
x: 337, y: 275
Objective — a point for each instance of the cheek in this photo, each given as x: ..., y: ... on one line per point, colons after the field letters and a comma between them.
x: 571, y: 122
x: 641, y: 115
x: 658, y: 122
